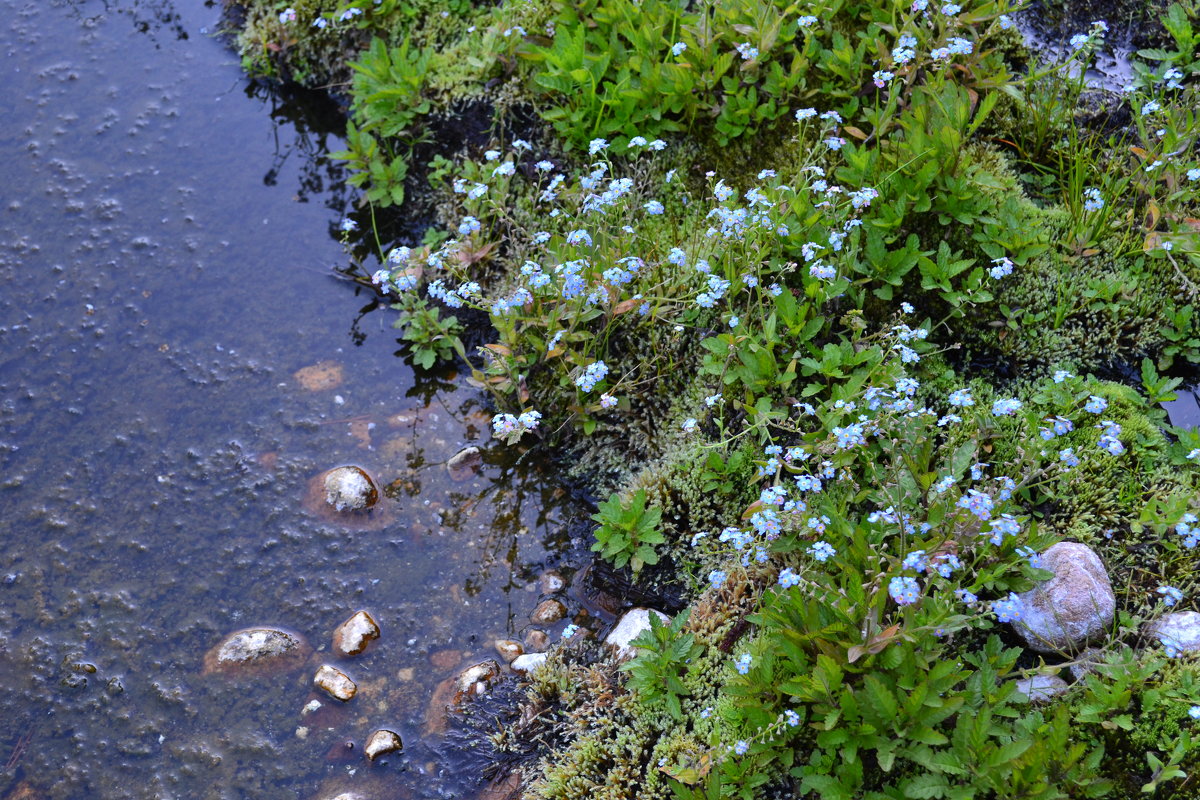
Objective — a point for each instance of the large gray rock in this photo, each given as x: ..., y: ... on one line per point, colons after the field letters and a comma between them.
x: 1073, y: 607
x: 631, y: 626
x: 1180, y: 628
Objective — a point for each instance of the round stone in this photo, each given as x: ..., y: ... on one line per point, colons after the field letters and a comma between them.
x: 1072, y: 608
x: 350, y: 489
x: 548, y: 612
x: 257, y: 651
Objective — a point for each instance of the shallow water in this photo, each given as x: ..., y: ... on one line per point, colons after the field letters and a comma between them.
x: 166, y: 242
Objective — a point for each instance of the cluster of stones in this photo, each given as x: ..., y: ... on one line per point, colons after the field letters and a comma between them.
x: 1074, y: 609
x: 263, y: 650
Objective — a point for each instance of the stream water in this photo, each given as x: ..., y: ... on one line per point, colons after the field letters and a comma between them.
x: 167, y: 234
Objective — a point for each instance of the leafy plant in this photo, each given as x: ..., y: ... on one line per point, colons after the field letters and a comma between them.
x: 664, y: 654
x: 432, y: 337
x: 628, y: 532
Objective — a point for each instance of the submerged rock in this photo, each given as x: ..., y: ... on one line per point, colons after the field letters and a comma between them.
x: 351, y: 637
x: 1073, y: 607
x: 350, y: 488
x: 320, y: 376
x: 1042, y: 688
x: 536, y: 639
x: 548, y: 612
x: 551, y: 582
x: 631, y: 626
x: 381, y: 742
x: 475, y: 680
x: 337, y: 683
x: 508, y: 649
x: 465, y: 463
x: 523, y: 665
x: 1180, y: 629
x: 257, y: 651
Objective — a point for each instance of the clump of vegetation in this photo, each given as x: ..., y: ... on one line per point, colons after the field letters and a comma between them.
x: 858, y: 389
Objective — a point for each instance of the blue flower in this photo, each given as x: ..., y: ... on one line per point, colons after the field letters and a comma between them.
x: 1170, y: 594
x: 821, y: 551
x: 1096, y: 405
x: 904, y: 590
x: 1005, y: 408
x: 961, y: 398
x: 678, y: 48
x: 741, y: 747
x: 742, y: 665
x: 788, y: 578
x: 717, y: 578
x: 1008, y: 609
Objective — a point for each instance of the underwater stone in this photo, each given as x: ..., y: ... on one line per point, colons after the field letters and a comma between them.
x: 256, y: 651
x: 350, y: 489
x: 631, y: 626
x: 320, y: 376
x: 523, y: 665
x: 508, y: 649
x: 551, y: 582
x: 1074, y: 606
x: 1180, y: 628
x: 475, y: 680
x: 464, y: 463
x: 536, y: 639
x: 1042, y: 688
x: 335, y: 682
x: 548, y: 611
x: 351, y: 637
x: 382, y: 741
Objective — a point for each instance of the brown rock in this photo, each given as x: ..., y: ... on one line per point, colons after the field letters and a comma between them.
x: 465, y: 463
x: 349, y: 488
x: 475, y: 680
x: 548, y: 612
x: 1073, y: 607
x: 446, y: 659
x: 23, y: 792
x: 508, y: 649
x: 551, y: 582
x: 335, y: 682
x: 257, y: 651
x: 435, y: 712
x: 320, y: 376
x: 351, y: 637
x: 381, y: 742
x: 536, y: 640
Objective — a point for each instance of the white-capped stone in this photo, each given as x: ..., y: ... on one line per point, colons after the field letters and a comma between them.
x: 632, y: 625
x: 335, y: 682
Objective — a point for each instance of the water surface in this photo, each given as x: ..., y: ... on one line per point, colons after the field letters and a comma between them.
x: 167, y: 236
